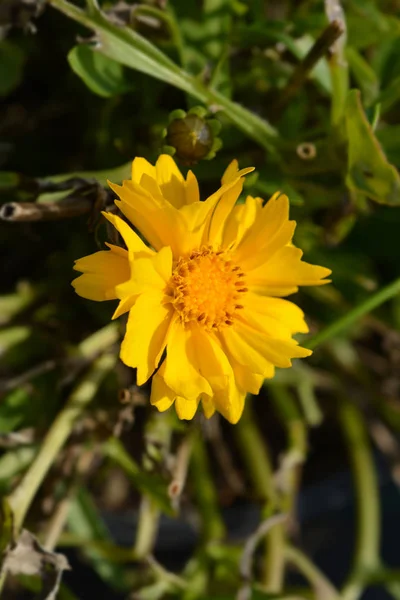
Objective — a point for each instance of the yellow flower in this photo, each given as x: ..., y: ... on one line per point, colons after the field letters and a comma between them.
x: 206, y: 290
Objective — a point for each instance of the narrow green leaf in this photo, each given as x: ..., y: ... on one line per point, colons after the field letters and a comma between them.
x: 101, y: 74
x: 369, y: 172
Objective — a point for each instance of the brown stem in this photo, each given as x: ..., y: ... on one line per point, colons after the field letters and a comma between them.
x: 320, y: 47
x: 72, y: 206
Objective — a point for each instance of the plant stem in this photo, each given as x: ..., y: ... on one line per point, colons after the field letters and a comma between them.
x: 323, y: 587
x: 149, y: 516
x: 213, y: 528
x: 320, y: 47
x: 354, y: 315
x: 366, y: 557
x: 289, y: 472
x: 21, y: 498
x: 256, y: 460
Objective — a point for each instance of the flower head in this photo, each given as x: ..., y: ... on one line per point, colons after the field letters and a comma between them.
x: 204, y: 295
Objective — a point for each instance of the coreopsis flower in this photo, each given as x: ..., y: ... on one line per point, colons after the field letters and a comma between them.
x: 205, y: 293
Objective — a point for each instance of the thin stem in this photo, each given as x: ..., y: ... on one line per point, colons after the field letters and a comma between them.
x: 257, y: 462
x: 21, y: 498
x: 323, y: 587
x: 354, y: 315
x: 213, y: 528
x: 320, y: 47
x: 288, y: 475
x: 149, y: 516
x: 366, y: 557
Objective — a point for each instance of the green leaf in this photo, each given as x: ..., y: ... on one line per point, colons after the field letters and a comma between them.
x: 369, y: 172
x: 101, y: 74
x: 11, y: 67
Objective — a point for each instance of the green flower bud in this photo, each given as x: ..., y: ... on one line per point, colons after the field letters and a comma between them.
x: 192, y: 136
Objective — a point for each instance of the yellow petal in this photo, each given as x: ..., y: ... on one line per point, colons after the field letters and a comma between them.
x: 239, y: 221
x: 230, y: 403
x: 232, y: 172
x: 170, y: 181
x: 141, y: 166
x: 286, y: 270
x: 186, y: 409
x: 247, y: 380
x: 131, y: 239
x: 181, y: 369
x: 281, y: 311
x: 210, y: 359
x: 102, y: 272
x: 146, y: 335
x: 162, y: 397
x: 156, y: 218
x: 222, y: 211
x: 271, y: 231
x: 148, y: 274
x: 256, y: 351
x: 208, y: 406
x: 192, y: 188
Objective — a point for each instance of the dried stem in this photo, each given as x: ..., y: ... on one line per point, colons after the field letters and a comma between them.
x: 321, y: 46
x: 18, y: 212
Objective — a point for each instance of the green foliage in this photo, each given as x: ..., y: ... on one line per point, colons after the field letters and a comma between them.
x: 369, y: 171
x: 102, y: 75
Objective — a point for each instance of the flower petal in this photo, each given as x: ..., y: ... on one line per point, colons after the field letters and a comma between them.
x: 279, y: 310
x: 162, y: 397
x: 230, y: 403
x: 285, y: 270
x: 192, y: 188
x: 102, y: 272
x: 186, y: 409
x: 181, y: 370
x: 232, y: 172
x: 247, y: 380
x: 131, y: 239
x: 170, y: 181
x: 146, y: 334
x: 256, y: 351
x: 208, y: 406
x: 271, y: 231
x: 148, y: 274
x: 239, y: 221
x: 156, y: 218
x: 141, y: 166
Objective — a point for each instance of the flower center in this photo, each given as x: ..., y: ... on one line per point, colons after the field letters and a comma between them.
x: 207, y: 287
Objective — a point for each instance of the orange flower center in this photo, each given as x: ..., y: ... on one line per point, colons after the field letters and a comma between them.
x: 207, y: 287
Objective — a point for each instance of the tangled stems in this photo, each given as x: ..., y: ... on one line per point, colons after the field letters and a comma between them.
x: 21, y: 498
x: 257, y: 462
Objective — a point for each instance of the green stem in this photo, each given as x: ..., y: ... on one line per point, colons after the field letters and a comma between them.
x: 149, y: 516
x: 21, y: 498
x: 257, y: 463
x: 322, y: 585
x: 366, y: 556
x: 354, y: 315
x: 213, y: 528
x: 296, y: 432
